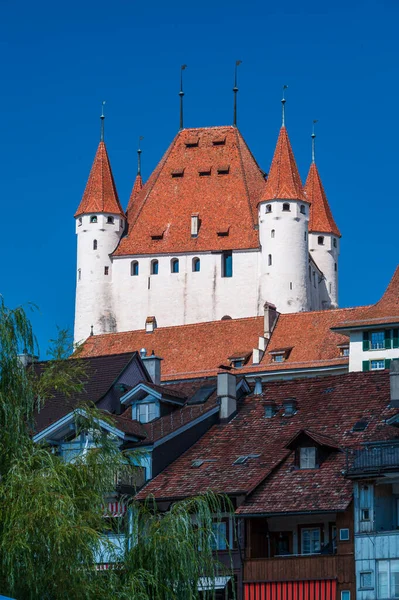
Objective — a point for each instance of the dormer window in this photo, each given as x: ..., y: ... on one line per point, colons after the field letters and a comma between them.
x: 177, y: 173
x: 343, y: 349
x: 224, y: 170
x: 192, y: 143
x: 290, y: 407
x: 146, y: 412
x: 307, y: 457
x: 93, y: 219
x: 239, y: 359
x: 205, y: 171
x: 270, y: 410
x: 219, y: 141
x: 280, y: 354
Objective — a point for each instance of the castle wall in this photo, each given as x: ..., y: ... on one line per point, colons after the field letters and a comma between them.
x: 326, y: 257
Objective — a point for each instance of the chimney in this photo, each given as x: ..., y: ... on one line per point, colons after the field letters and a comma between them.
x: 150, y: 324
x: 270, y: 318
x: 394, y: 383
x: 27, y: 359
x: 226, y: 391
x: 153, y: 365
x: 258, y: 386
x: 194, y: 224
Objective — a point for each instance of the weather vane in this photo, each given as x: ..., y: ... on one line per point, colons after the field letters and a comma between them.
x: 181, y: 94
x: 283, y: 101
x: 314, y: 140
x: 102, y: 117
x: 235, y: 90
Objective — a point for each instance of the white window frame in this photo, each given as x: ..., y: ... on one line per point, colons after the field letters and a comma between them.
x: 312, y: 543
x: 362, y: 586
x: 146, y: 409
x: 388, y: 584
x: 307, y: 457
x: 344, y: 537
x: 379, y: 345
x: 378, y: 367
x: 220, y: 535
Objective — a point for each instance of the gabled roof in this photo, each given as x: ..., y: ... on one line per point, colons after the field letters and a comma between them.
x: 226, y: 195
x: 384, y: 312
x: 321, y: 218
x: 323, y: 409
x: 144, y: 388
x: 100, y: 195
x: 284, y: 181
x: 319, y: 438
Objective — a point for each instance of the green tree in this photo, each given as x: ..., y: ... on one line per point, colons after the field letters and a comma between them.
x: 52, y: 524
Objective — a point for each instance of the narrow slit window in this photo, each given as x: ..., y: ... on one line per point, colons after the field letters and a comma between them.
x: 106, y: 270
x: 227, y: 264
x: 196, y: 265
x: 320, y: 240
x: 80, y: 221
x: 269, y: 260
x: 268, y: 208
x: 272, y: 233
x: 177, y: 173
x: 154, y: 267
x: 94, y: 244
x: 303, y: 209
x: 174, y: 265
x: 79, y: 274
x: 134, y: 268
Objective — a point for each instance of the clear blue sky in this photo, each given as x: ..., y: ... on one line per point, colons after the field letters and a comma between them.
x: 60, y: 60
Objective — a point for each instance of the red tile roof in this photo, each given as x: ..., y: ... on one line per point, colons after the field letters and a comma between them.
x: 167, y: 202
x: 321, y: 219
x: 284, y: 181
x: 137, y: 187
x: 328, y: 406
x: 100, y: 195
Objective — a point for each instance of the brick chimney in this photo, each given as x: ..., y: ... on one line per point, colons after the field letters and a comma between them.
x: 227, y: 394
x: 394, y: 383
x: 153, y: 365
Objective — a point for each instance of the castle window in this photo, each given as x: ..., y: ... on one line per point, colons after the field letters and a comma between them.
x: 268, y: 208
x: 303, y: 209
x: 334, y: 242
x: 310, y: 273
x: 94, y: 244
x: 110, y: 220
x: 174, y: 265
x: 269, y: 260
x: 320, y: 240
x: 335, y: 266
x: 306, y: 236
x: 106, y: 270
x: 196, y: 265
x: 154, y: 267
x: 286, y: 207
x: 227, y: 264
x: 79, y: 221
x: 134, y: 268
x: 272, y: 233
x: 290, y: 285
x: 79, y: 274
x: 314, y: 278
x: 93, y: 219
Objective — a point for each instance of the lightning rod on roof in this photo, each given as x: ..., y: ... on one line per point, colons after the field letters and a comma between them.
x: 139, y: 151
x: 181, y: 94
x: 283, y: 101
x: 314, y: 142
x: 102, y: 117
x: 235, y: 90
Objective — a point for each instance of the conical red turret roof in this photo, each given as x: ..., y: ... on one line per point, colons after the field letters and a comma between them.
x: 137, y: 187
x: 100, y: 194
x: 283, y: 181
x: 321, y: 219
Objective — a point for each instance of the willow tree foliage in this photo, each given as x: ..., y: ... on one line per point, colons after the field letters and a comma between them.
x: 52, y: 524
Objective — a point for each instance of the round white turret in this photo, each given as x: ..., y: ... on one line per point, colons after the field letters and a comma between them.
x: 324, y: 249
x: 283, y: 231
x: 98, y: 235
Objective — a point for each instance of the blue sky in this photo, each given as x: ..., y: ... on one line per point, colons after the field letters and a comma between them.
x: 62, y: 59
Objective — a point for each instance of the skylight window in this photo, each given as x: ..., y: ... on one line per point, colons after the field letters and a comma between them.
x: 360, y: 426
x: 177, y: 173
x: 205, y: 172
x: 224, y: 170
x: 219, y: 141
x: 243, y: 459
x: 192, y: 143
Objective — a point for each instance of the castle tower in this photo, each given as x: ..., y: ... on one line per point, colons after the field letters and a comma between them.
x: 283, y: 230
x: 100, y: 223
x: 324, y: 236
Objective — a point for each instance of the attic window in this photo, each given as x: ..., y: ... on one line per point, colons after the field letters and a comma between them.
x: 270, y: 410
x: 307, y: 458
x: 239, y: 359
x: 224, y: 170
x: 198, y: 462
x: 280, y: 354
x: 219, y: 141
x: 202, y: 395
x: 243, y: 459
x: 290, y: 407
x: 360, y: 426
x: 177, y: 173
x: 343, y: 349
x: 157, y: 236
x: 192, y: 143
x: 224, y: 231
x: 205, y: 172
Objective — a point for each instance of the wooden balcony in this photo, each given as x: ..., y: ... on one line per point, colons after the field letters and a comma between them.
x: 296, y: 568
x: 373, y: 459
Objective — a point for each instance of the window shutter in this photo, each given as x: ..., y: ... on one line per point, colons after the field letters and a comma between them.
x: 387, y: 363
x: 366, y: 365
x: 387, y: 339
x: 366, y: 341
x: 395, y: 338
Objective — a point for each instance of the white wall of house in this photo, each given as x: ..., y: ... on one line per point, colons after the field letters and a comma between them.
x: 357, y: 355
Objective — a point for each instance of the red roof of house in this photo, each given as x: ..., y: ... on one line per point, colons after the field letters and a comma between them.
x: 100, y: 195
x: 182, y: 185
x: 283, y: 181
x: 328, y: 406
x: 137, y: 187
x: 321, y: 219
x: 383, y: 312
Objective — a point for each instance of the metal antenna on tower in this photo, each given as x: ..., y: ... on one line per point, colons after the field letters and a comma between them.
x: 102, y: 121
x: 314, y: 142
x: 181, y: 94
x: 139, y: 151
x: 235, y: 90
x: 283, y: 101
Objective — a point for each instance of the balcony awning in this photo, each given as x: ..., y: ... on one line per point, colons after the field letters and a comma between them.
x: 208, y: 583
x: 311, y: 590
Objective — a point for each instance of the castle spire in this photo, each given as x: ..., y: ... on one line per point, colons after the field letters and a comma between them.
x: 181, y: 94
x: 321, y: 219
x: 235, y: 90
x: 138, y: 182
x: 100, y: 195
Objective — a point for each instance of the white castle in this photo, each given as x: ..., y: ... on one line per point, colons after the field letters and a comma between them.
x: 208, y: 236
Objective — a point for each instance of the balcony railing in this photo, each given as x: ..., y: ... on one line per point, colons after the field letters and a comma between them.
x: 291, y: 568
x: 130, y: 479
x: 373, y: 458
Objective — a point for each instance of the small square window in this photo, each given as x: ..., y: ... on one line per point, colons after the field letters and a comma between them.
x: 268, y: 208
x: 278, y: 358
x: 377, y: 365
x: 366, y: 580
x: 344, y: 535
x: 286, y: 207
x: 365, y: 514
x: 106, y: 270
x: 93, y: 219
x: 110, y: 220
x: 345, y: 595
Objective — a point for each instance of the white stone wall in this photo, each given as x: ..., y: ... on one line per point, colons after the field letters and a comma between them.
x: 94, y: 290
x: 284, y: 238
x: 326, y: 257
x: 357, y: 355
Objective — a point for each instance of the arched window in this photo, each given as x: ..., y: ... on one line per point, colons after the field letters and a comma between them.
x: 134, y: 268
x: 272, y: 233
x: 174, y: 265
x: 196, y: 265
x: 110, y: 220
x: 154, y: 267
x: 268, y: 208
x: 286, y: 207
x: 94, y: 244
x: 320, y: 240
x: 93, y: 219
x: 302, y: 209
x: 269, y: 260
